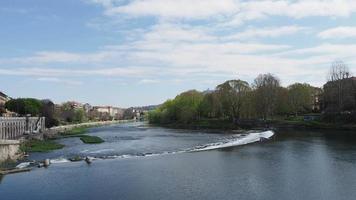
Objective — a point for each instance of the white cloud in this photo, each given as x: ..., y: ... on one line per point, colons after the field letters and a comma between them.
x: 148, y: 81
x: 58, y: 80
x: 181, y: 9
x: 253, y: 10
x: 229, y: 12
x: 338, y: 32
x: 268, y: 32
x: 53, y: 72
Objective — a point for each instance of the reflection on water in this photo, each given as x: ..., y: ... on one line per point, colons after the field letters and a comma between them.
x: 293, y: 165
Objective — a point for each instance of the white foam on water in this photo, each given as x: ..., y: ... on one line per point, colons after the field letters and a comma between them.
x: 236, y: 140
x: 23, y: 165
x: 59, y: 160
x: 100, y: 151
x: 249, y: 138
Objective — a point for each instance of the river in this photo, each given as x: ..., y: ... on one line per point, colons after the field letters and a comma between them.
x: 142, y: 162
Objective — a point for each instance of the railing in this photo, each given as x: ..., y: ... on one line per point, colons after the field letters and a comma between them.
x: 15, y: 127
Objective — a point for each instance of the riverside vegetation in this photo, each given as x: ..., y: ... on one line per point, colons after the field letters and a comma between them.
x: 236, y: 101
x: 46, y: 145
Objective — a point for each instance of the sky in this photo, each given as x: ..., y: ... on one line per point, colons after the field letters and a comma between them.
x: 141, y: 52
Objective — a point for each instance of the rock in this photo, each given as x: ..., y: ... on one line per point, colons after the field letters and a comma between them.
x: 262, y: 139
x: 87, y: 160
x: 75, y: 159
x: 46, y: 162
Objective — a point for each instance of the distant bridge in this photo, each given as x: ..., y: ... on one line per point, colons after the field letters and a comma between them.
x: 12, y: 128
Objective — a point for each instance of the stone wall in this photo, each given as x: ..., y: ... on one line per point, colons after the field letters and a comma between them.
x: 9, y: 149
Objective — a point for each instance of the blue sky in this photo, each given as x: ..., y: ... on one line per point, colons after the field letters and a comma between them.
x: 140, y: 52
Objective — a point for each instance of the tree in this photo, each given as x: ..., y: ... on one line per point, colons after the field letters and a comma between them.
x: 183, y: 109
x: 300, y: 97
x: 48, y: 111
x: 187, y: 106
x: 338, y: 73
x: 211, y: 107
x: 24, y: 106
x: 232, y: 94
x: 266, y: 86
x: 79, y: 115
x: 337, y: 89
x: 282, y: 106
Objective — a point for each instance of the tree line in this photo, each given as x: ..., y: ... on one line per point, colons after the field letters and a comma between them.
x: 234, y: 100
x: 265, y: 99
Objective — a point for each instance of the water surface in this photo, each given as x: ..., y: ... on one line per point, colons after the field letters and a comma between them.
x: 292, y: 165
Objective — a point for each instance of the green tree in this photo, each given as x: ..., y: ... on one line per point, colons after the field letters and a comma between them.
x: 300, y: 98
x: 232, y: 94
x: 266, y: 86
x: 79, y: 116
x: 211, y: 107
x: 24, y: 106
x: 183, y: 109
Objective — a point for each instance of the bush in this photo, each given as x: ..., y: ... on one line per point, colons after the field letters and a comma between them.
x: 345, y: 117
x: 24, y: 106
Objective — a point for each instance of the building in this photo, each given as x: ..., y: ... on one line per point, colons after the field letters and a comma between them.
x: 87, y: 107
x: 3, y: 98
x: 74, y: 104
x: 112, y: 112
x: 317, y: 99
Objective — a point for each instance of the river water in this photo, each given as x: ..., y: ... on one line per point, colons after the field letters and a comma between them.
x: 141, y: 162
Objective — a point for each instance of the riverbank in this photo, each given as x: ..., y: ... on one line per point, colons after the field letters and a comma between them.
x: 48, y: 143
x: 215, y: 124
x: 54, y: 131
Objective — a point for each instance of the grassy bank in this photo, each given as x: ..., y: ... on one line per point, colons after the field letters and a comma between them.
x: 75, y: 131
x: 91, y: 139
x: 80, y: 132
x: 40, y: 146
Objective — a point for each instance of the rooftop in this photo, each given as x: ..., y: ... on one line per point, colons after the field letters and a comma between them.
x: 3, y: 95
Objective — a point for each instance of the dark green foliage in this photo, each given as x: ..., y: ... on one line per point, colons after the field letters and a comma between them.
x: 24, y: 106
x: 88, y: 139
x: 40, y: 146
x: 80, y: 132
x: 76, y: 131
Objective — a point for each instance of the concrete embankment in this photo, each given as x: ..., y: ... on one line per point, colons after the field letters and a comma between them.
x: 54, y: 131
x: 9, y: 150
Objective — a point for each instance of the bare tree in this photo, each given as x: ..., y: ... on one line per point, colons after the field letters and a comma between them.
x: 338, y: 73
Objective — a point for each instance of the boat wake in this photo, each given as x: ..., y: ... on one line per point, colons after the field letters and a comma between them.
x: 234, y: 140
